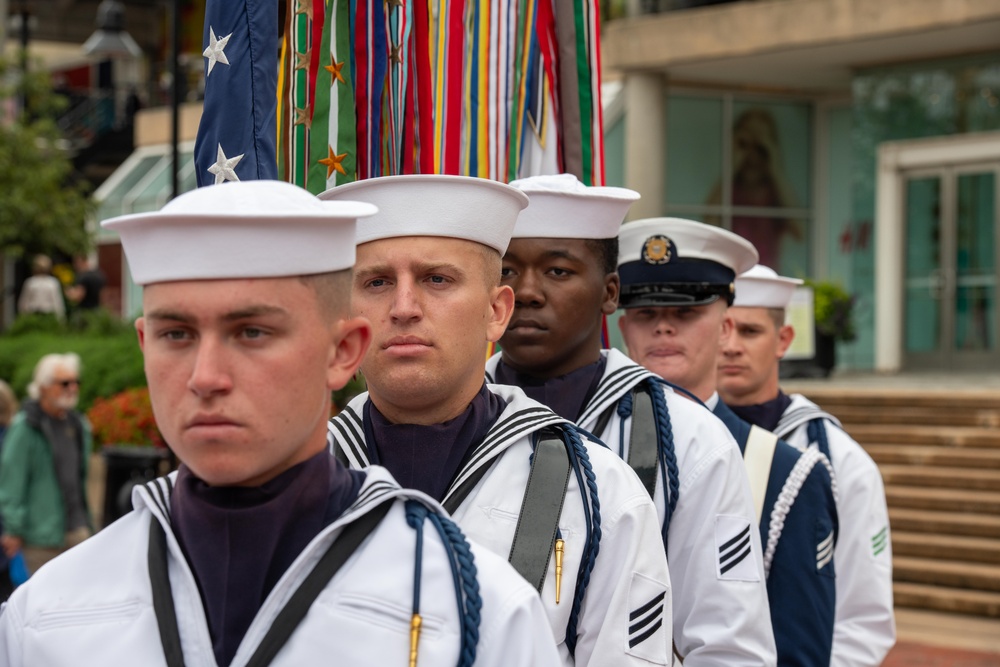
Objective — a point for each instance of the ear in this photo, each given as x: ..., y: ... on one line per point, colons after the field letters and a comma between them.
x: 728, y: 324
x: 623, y: 327
x: 786, y: 334
x: 140, y: 330
x: 501, y: 310
x: 348, y: 347
x: 612, y: 288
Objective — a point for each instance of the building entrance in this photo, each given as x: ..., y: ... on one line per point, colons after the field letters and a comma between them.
x: 950, y: 267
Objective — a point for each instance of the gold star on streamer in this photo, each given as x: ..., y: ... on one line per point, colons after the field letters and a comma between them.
x: 302, y: 60
x: 333, y: 162
x: 302, y: 118
x: 395, y: 54
x: 304, y: 7
x: 334, y: 70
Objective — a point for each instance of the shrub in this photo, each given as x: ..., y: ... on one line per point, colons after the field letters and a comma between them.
x: 125, y: 419
x: 834, y: 310
x: 111, y: 364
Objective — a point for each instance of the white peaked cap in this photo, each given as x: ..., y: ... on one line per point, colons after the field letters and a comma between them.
x: 564, y: 208
x: 242, y: 229
x: 693, y: 240
x: 461, y: 207
x: 761, y: 287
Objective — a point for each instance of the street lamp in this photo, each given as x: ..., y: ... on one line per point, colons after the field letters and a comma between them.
x: 111, y: 40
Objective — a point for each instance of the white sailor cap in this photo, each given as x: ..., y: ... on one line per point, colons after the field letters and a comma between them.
x: 461, y: 207
x: 761, y: 287
x: 242, y: 229
x: 676, y: 262
x: 561, y: 207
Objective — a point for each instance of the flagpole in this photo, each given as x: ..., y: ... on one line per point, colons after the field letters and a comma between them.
x: 175, y: 94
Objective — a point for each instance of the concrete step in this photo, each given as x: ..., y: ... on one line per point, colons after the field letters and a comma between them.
x: 943, y: 598
x: 950, y: 478
x: 832, y: 397
x: 932, y: 455
x: 953, y: 574
x: 943, y: 523
x: 946, y: 547
x: 972, y: 437
x: 943, y: 500
x: 876, y: 413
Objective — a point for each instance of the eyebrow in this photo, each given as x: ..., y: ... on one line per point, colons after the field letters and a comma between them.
x: 166, y: 314
x: 554, y: 253
x: 429, y: 267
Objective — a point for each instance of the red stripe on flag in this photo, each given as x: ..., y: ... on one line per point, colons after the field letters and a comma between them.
x: 455, y: 84
x: 362, y: 92
x: 423, y: 90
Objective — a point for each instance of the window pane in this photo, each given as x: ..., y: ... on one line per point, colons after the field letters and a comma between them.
x: 923, y: 264
x: 694, y: 150
x: 781, y: 242
x: 771, y: 154
x: 975, y: 297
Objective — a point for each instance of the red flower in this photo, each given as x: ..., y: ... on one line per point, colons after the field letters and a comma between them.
x: 125, y: 419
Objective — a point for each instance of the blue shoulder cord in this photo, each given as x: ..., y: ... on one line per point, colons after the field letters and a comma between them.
x: 816, y: 432
x: 463, y: 570
x: 580, y: 463
x: 665, y: 447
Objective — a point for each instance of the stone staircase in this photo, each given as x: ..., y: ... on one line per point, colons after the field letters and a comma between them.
x: 939, y: 453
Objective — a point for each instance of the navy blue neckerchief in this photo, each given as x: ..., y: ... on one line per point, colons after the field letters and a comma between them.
x: 566, y: 395
x: 427, y: 457
x: 766, y: 414
x: 240, y: 541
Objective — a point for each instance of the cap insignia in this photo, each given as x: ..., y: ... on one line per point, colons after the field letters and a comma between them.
x: 656, y: 250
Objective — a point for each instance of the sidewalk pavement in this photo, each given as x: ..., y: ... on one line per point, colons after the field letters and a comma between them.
x: 933, y: 639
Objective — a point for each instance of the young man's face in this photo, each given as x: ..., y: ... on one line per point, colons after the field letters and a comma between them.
x: 680, y: 344
x: 240, y: 373
x: 560, y: 293
x: 434, y: 304
x: 748, y: 363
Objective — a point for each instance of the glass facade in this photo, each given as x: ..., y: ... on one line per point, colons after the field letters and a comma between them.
x: 908, y: 102
x: 744, y: 164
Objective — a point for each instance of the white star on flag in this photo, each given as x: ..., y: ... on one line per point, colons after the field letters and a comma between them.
x: 215, y: 50
x: 225, y: 168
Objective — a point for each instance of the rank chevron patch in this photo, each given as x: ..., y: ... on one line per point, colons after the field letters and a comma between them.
x: 649, y: 619
x: 734, y: 544
x: 824, y: 551
x: 880, y: 541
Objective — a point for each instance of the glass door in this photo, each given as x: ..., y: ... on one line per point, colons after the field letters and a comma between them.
x: 951, y: 277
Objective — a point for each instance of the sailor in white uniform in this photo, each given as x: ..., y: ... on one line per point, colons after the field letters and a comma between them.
x: 864, y: 629
x: 566, y: 512
x: 262, y: 549
x: 677, y: 283
x: 562, y: 265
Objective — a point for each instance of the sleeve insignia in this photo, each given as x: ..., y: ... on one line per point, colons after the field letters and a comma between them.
x: 734, y: 549
x: 649, y: 619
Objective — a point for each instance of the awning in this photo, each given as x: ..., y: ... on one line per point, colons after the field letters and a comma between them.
x: 142, y: 183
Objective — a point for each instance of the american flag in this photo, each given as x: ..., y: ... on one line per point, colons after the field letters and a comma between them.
x: 236, y: 136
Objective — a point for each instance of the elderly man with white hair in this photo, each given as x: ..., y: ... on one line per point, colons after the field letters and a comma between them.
x: 43, y: 469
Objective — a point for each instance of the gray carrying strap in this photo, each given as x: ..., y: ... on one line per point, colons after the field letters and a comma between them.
x: 288, y: 619
x: 538, y: 521
x: 643, y: 443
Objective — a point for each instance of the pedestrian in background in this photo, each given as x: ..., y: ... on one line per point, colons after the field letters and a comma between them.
x: 85, y: 293
x: 43, y: 467
x: 8, y: 408
x: 42, y: 292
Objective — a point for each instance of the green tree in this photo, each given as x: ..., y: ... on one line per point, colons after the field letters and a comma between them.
x: 45, y: 206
